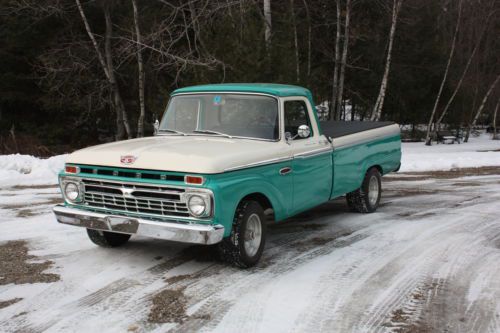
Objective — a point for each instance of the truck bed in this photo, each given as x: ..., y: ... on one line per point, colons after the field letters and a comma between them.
x: 336, y: 129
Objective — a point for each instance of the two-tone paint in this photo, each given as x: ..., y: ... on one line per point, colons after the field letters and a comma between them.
x: 288, y: 177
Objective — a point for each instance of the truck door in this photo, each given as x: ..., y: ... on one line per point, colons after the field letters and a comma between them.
x: 312, y: 156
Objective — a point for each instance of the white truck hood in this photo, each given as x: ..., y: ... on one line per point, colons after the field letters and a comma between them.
x: 191, y: 154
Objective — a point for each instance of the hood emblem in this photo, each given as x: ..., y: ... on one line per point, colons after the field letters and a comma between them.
x: 128, y: 159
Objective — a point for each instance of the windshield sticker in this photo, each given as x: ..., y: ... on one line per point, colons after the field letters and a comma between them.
x: 218, y: 100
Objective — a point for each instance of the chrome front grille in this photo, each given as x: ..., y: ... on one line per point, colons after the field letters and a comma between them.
x: 135, y: 198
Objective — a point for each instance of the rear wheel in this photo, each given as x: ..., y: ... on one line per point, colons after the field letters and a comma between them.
x: 248, y: 236
x: 106, y: 238
x: 366, y: 199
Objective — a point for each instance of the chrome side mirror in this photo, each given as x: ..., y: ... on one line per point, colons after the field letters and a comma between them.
x: 304, y: 131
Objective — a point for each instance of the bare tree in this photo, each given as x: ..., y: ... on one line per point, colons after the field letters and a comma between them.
x: 481, y: 107
x: 309, y: 36
x: 462, y: 77
x: 377, y: 109
x: 344, y: 56
x: 450, y: 56
x: 122, y: 126
x: 267, y: 25
x: 336, y: 65
x: 140, y: 65
x: 296, y: 41
x: 495, y: 134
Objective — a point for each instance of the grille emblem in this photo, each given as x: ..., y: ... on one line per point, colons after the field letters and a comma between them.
x: 128, y: 159
x: 127, y: 192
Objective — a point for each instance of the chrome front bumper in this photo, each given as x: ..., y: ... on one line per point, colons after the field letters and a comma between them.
x: 178, y: 232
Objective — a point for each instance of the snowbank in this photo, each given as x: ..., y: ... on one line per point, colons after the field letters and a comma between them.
x: 24, y: 169
x: 479, y: 151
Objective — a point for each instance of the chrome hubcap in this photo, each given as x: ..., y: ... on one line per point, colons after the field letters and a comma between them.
x: 373, y: 190
x: 253, y: 235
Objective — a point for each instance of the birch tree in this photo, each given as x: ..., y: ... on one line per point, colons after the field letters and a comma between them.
x: 344, y: 57
x: 481, y: 107
x: 462, y: 77
x: 296, y: 42
x: 106, y: 62
x: 336, y: 65
x: 140, y: 65
x: 495, y: 134
x: 309, y: 37
x: 445, y: 75
x: 267, y: 26
x: 377, y: 109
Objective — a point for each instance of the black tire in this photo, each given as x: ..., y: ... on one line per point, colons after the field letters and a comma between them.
x: 232, y: 249
x: 106, y: 238
x: 359, y: 200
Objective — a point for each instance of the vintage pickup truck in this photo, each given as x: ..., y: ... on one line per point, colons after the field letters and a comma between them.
x: 227, y: 160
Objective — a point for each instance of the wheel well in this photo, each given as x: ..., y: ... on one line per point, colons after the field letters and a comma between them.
x: 261, y: 199
x: 378, y: 167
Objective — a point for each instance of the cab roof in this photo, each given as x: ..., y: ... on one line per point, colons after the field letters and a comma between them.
x: 280, y: 90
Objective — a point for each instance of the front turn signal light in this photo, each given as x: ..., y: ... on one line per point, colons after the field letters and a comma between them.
x: 71, y: 169
x: 193, y: 180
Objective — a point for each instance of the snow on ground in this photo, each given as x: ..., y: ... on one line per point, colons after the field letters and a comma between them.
x: 427, y: 261
x: 24, y: 169
x: 479, y: 151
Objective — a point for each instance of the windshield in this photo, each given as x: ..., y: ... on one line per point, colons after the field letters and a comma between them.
x: 249, y: 116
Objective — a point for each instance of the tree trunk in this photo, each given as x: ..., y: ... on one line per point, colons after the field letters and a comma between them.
x: 92, y: 39
x: 336, y: 67
x: 267, y: 26
x: 344, y: 55
x: 353, y: 108
x: 459, y: 84
x: 309, y: 36
x: 377, y: 109
x: 428, y: 140
x: 481, y: 107
x: 495, y: 135
x: 296, y: 42
x: 140, y: 122
x: 121, y: 115
x: 107, y: 67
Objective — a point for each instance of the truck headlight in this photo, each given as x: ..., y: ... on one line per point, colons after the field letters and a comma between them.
x: 72, y: 190
x: 199, y: 204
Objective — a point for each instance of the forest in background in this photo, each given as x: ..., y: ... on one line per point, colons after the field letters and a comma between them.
x: 78, y: 72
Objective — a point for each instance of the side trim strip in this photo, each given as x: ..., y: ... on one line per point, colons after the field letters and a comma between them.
x: 315, y: 152
x: 256, y: 164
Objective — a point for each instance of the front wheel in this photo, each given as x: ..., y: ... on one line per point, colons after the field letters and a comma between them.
x: 106, y: 238
x: 248, y: 236
x: 366, y: 198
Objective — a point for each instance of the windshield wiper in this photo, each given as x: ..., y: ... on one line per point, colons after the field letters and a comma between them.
x: 212, y: 132
x: 171, y: 131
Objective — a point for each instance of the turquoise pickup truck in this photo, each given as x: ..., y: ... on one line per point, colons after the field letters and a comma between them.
x: 227, y: 159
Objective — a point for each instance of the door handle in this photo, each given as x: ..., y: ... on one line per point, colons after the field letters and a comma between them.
x: 285, y: 171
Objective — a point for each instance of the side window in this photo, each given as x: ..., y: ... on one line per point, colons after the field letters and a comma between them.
x: 295, y: 115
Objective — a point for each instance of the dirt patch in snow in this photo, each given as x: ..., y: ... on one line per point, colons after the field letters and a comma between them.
x: 169, y: 306
x: 449, y: 174
x: 24, y: 187
x: 408, y: 192
x: 17, y: 266
x: 177, y: 278
x: 4, y: 304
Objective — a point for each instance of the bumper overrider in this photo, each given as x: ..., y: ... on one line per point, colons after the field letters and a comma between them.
x: 173, y: 231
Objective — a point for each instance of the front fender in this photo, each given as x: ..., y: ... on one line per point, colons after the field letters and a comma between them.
x: 230, y: 188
